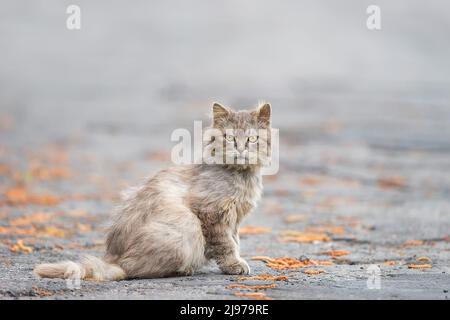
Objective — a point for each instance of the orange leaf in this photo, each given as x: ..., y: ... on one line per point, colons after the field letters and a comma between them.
x: 313, y: 271
x: 391, y: 182
x: 83, y: 227
x: 250, y: 230
x: 32, y: 218
x: 252, y: 287
x: 419, y: 266
x: 304, y: 237
x: 253, y: 295
x: 413, y: 243
x: 19, y: 195
x: 21, y: 247
x: 264, y: 277
x: 290, y: 263
x: 294, y: 218
x: 50, y: 173
x: 41, y: 292
x: 337, y: 253
x: 423, y: 259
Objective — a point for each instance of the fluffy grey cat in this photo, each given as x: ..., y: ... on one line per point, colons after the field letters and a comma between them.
x: 185, y: 215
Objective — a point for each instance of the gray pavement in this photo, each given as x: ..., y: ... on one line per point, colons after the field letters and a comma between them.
x: 364, y: 121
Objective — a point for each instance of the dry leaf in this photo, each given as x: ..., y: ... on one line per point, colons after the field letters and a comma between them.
x: 84, y: 227
x: 303, y: 237
x: 413, y: 243
x: 21, y: 247
x: 264, y: 277
x: 337, y: 253
x: 390, y: 263
x: 294, y: 218
x: 419, y: 266
x: 329, y: 229
x: 48, y: 231
x: 391, y: 182
x: 253, y: 295
x: 252, y: 287
x: 42, y: 293
x: 312, y: 180
x: 4, y: 169
x: 17, y: 195
x: 53, y: 232
x: 18, y: 231
x: 423, y: 259
x: 290, y: 263
x: 313, y: 271
x: 20, y: 196
x: 250, y: 230
x: 42, y: 173
x: 77, y: 213
x: 39, y: 217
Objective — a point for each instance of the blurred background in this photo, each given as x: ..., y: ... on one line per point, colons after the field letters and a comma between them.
x: 364, y: 116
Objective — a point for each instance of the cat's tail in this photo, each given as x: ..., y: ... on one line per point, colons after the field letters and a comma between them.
x: 89, y: 267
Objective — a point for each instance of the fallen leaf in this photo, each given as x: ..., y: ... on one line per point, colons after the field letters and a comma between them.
x: 53, y: 232
x: 84, y: 227
x: 17, y: 195
x: 18, y: 231
x: 250, y: 230
x: 20, y: 196
x: 42, y: 293
x: 48, y: 231
x: 4, y: 169
x: 77, y: 213
x: 331, y: 202
x: 21, y: 247
x: 44, y: 200
x: 313, y: 271
x: 390, y: 263
x: 311, y: 180
x: 337, y: 253
x: 252, y: 287
x: 423, y: 259
x: 419, y: 266
x: 32, y: 218
x: 253, y: 295
x: 294, y: 218
x: 391, y: 182
x: 43, y: 173
x: 413, y: 243
x: 287, y: 263
x: 264, y: 277
x: 303, y: 237
x: 330, y: 229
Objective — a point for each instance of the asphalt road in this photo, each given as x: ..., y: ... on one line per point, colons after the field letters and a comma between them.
x: 364, y: 123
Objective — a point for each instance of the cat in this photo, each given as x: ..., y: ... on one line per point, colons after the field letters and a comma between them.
x: 186, y: 215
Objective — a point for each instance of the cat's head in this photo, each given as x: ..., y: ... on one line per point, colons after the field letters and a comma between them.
x: 245, y: 135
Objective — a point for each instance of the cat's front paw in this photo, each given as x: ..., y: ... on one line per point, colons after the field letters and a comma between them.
x: 239, y: 267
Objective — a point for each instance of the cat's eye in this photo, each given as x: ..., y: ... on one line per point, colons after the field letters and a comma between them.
x: 253, y: 139
x: 229, y: 137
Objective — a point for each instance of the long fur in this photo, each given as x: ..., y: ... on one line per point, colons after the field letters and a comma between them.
x: 89, y: 267
x: 181, y: 217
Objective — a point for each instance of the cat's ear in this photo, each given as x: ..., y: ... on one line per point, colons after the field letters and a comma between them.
x: 219, y: 112
x: 264, y: 112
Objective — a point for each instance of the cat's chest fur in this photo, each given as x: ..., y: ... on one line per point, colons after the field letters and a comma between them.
x: 247, y: 193
x: 218, y: 193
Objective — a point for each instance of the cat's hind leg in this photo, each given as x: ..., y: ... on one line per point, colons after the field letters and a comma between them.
x: 168, y: 244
